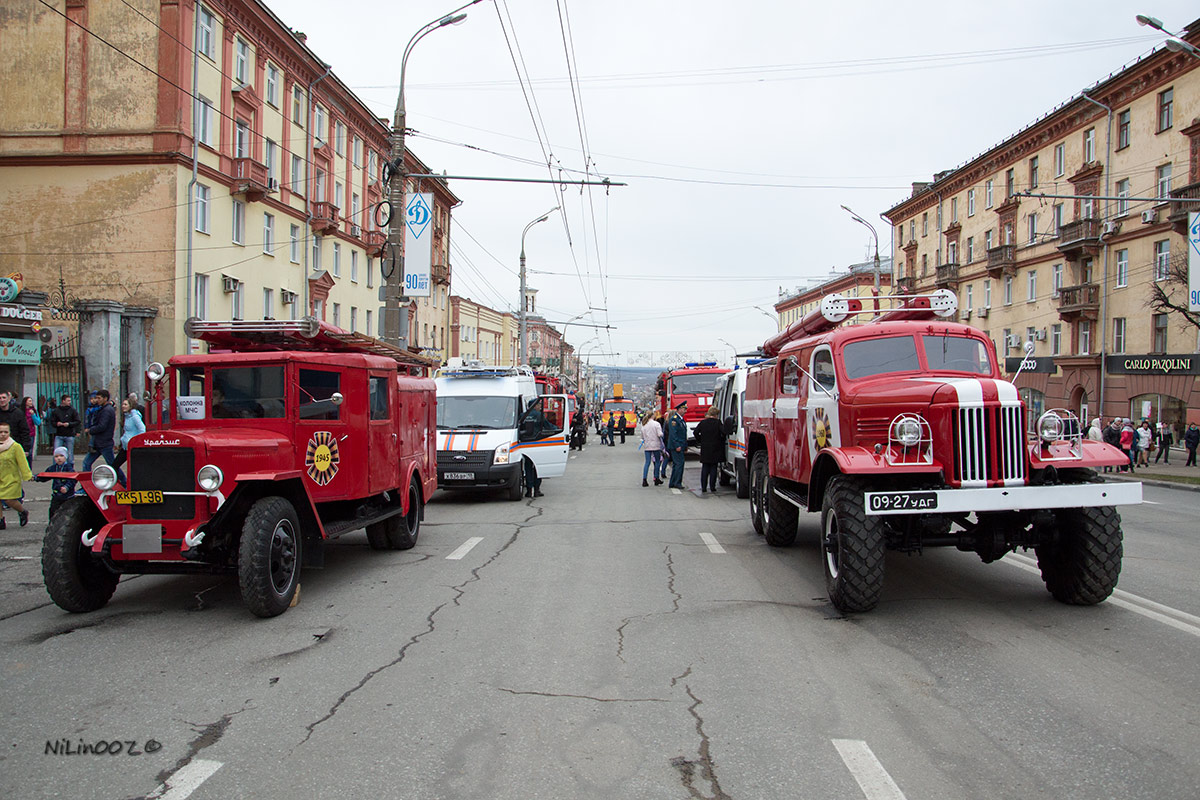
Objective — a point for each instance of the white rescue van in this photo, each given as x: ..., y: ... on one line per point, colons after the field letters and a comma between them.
x: 728, y: 395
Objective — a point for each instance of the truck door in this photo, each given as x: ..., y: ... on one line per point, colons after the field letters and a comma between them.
x: 541, y: 435
x: 787, y: 424
x: 332, y: 457
x: 822, y: 423
x: 383, y: 428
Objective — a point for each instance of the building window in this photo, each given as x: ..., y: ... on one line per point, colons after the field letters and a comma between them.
x: 337, y: 315
x: 372, y: 167
x: 201, y: 295
x: 339, y: 138
x: 1033, y: 172
x: 1087, y: 207
x: 1056, y: 217
x: 268, y: 303
x: 987, y: 240
x: 319, y: 123
x: 1008, y: 290
x: 1166, y: 100
x: 367, y: 324
x: 970, y: 249
x: 205, y: 35
x: 912, y: 230
x: 1085, y: 337
x: 924, y: 264
x: 1008, y: 233
x: 970, y: 202
x: 1122, y: 197
x: 970, y: 301
x: 1163, y: 177
x: 353, y: 318
x: 239, y: 301
x: 987, y: 193
x: 1123, y: 129
x: 339, y: 193
x: 319, y: 188
x: 241, y: 140
x: 202, y: 196
x: 316, y: 253
x: 269, y: 234
x: 1118, y: 334
x: 295, y: 247
x: 1060, y: 160
x: 273, y: 85
x: 355, y: 208
x: 1122, y: 268
x: 925, y: 224
x: 1089, y: 145
x: 1032, y: 285
x: 987, y: 294
x: 337, y: 259
x: 297, y: 174
x: 358, y: 151
x: 1010, y: 183
x: 297, y: 105
x: 239, y: 222
x: 270, y: 151
x: 952, y: 252
x: 206, y: 127
x: 1056, y: 338
x: 1160, y: 333
x: 1006, y: 340
x: 354, y: 266
x: 1033, y: 229
x: 1162, y: 259
x: 370, y: 277
x: 241, y: 62
x: 954, y: 209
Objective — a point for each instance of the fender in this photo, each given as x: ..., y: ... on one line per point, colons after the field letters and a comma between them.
x: 251, y: 486
x: 1060, y: 455
x: 863, y: 461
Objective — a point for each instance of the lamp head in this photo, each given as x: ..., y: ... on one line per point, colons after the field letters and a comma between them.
x: 1152, y: 22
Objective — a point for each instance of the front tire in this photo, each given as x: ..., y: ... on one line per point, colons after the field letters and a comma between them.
x: 269, y: 557
x: 741, y: 479
x: 1083, y: 566
x: 517, y: 487
x: 853, y: 545
x: 403, y: 529
x: 76, y: 581
x: 759, y: 476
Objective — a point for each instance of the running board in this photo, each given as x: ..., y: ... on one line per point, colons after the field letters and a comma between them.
x: 343, y: 526
x: 792, y: 497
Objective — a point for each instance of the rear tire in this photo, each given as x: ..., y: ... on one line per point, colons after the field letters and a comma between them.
x: 75, y: 580
x: 1083, y: 566
x: 759, y: 476
x: 517, y: 487
x: 853, y: 546
x: 782, y: 518
x: 742, y: 480
x: 403, y: 529
x: 269, y: 557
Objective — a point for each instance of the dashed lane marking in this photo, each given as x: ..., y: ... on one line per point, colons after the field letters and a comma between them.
x: 872, y: 778
x: 187, y: 780
x: 1171, y: 617
x: 676, y: 491
x: 1151, y: 503
x: 713, y: 545
x: 464, y: 548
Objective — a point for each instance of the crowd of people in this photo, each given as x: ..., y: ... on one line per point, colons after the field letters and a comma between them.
x: 1139, y: 442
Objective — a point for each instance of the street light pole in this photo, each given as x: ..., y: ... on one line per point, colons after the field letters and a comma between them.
x: 562, y: 345
x: 871, y: 228
x: 1173, y: 41
x: 395, y: 323
x: 524, y: 321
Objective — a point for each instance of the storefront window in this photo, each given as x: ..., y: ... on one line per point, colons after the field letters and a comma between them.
x: 1159, y: 408
x: 1035, y: 402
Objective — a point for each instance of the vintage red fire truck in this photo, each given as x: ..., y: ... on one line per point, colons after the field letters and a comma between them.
x: 285, y: 435
x: 903, y: 435
x: 694, y: 383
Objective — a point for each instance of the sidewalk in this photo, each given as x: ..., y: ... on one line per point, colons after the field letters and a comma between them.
x: 1174, y: 475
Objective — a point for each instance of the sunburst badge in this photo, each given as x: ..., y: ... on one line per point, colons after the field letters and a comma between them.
x: 820, y: 428
x: 321, y: 458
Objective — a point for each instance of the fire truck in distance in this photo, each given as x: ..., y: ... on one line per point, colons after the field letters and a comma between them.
x: 285, y: 435
x: 620, y: 406
x: 694, y: 383
x: 903, y: 435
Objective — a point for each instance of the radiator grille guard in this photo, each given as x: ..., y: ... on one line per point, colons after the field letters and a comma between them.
x: 167, y: 469
x: 989, y: 445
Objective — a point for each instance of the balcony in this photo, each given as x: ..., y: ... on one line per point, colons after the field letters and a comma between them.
x: 250, y: 179
x: 906, y: 285
x: 1180, y: 207
x: 375, y: 241
x: 324, y: 216
x: 1079, y: 238
x: 1002, y: 260
x: 946, y: 276
x: 1079, y: 302
x: 440, y: 274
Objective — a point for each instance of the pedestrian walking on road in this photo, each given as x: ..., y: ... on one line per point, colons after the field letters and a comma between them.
x: 18, y: 421
x: 1166, y: 439
x: 622, y: 427
x: 1145, y: 441
x: 1128, y: 443
x: 60, y: 488
x: 14, y: 470
x: 652, y: 443
x: 63, y: 420
x: 710, y: 434
x: 1191, y: 440
x: 677, y: 444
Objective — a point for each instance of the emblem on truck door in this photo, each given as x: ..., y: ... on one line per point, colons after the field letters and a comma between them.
x: 820, y: 428
x: 321, y: 459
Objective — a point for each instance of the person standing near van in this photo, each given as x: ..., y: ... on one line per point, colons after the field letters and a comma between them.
x: 710, y: 434
x: 677, y: 444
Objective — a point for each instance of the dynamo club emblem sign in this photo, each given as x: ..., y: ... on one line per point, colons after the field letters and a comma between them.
x: 418, y: 250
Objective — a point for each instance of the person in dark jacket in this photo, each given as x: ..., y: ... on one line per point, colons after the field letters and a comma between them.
x: 18, y: 424
x: 622, y: 427
x: 63, y: 421
x: 104, y: 424
x: 610, y: 426
x: 60, y: 488
x: 1112, y: 435
x: 1191, y: 440
x: 710, y: 433
x: 677, y: 444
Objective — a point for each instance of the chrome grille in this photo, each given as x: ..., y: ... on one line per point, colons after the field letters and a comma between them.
x: 447, y: 459
x: 989, y: 445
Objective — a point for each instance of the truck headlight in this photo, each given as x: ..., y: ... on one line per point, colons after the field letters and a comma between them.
x: 104, y: 477
x: 155, y: 371
x: 210, y: 478
x: 1050, y: 427
x: 501, y: 454
x: 908, y: 432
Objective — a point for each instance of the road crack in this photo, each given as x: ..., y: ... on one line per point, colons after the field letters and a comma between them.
x: 206, y: 736
x: 705, y: 764
x: 587, y: 697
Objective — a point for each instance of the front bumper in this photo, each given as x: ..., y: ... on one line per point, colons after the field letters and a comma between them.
x: 1008, y: 498
x: 488, y: 476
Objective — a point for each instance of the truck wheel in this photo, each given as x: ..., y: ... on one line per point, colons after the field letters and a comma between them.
x: 377, y: 535
x: 781, y: 518
x: 1082, y: 567
x: 723, y: 478
x: 517, y: 488
x: 269, y: 557
x: 853, y: 545
x: 76, y: 582
x: 742, y: 480
x: 759, y: 477
x: 403, y: 529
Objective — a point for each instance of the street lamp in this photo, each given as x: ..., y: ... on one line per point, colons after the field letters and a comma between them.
x: 524, y: 321
x: 1173, y: 42
x: 562, y: 344
x: 774, y: 317
x: 871, y: 228
x: 734, y: 349
x: 395, y: 325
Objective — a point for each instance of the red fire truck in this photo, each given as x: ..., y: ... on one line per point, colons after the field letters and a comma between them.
x: 285, y: 435
x: 695, y: 383
x: 903, y: 435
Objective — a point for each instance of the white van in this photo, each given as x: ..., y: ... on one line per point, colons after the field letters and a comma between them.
x: 489, y: 419
x: 728, y: 395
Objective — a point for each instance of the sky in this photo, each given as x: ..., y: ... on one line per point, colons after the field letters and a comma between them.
x: 738, y: 129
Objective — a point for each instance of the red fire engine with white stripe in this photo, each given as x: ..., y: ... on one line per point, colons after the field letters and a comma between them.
x: 903, y: 435
x: 694, y: 384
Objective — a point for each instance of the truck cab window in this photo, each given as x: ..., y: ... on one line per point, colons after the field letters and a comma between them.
x: 379, y: 397
x: 790, y: 376
x: 316, y: 390
x: 823, y: 372
x: 248, y: 392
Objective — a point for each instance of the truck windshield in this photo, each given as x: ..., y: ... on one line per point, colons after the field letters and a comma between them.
x: 703, y: 383
x: 476, y: 411
x: 957, y: 353
x: 868, y: 357
x: 248, y: 392
x: 619, y: 406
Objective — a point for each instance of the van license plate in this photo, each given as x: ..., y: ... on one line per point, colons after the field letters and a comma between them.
x: 903, y: 501
x: 459, y: 476
x: 139, y: 498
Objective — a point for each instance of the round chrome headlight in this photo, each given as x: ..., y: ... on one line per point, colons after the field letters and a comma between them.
x: 908, y: 431
x: 155, y: 371
x: 1050, y: 427
x: 210, y: 478
x: 501, y: 455
x: 104, y: 477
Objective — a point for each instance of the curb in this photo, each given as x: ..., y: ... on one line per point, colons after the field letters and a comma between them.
x: 1189, y: 487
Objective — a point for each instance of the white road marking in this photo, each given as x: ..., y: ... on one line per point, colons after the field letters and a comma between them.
x: 872, y: 778
x: 21, y: 558
x: 1151, y: 503
x: 464, y: 548
x: 713, y: 545
x: 185, y: 781
x: 1171, y: 617
x: 676, y: 491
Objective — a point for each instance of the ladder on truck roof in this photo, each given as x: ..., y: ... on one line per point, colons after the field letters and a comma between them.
x: 308, y: 334
x: 835, y: 309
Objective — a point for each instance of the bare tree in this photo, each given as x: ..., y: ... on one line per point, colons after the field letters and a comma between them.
x: 1171, y: 293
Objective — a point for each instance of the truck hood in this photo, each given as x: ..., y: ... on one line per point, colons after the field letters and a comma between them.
x: 927, y: 390
x: 243, y: 449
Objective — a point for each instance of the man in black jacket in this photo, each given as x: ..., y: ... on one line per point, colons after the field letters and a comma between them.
x: 63, y: 420
x: 15, y: 417
x: 104, y: 424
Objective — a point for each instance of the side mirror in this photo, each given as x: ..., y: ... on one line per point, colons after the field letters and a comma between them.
x: 336, y: 398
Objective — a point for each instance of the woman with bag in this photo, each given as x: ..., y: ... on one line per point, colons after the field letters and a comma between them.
x: 652, y: 443
x: 132, y: 426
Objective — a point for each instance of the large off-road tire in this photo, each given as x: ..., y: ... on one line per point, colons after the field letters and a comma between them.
x: 269, y: 557
x: 517, y: 488
x: 760, y: 476
x: 377, y: 535
x: 853, y: 546
x: 76, y: 582
x: 781, y: 518
x: 741, y: 479
x: 1082, y: 567
x: 403, y: 529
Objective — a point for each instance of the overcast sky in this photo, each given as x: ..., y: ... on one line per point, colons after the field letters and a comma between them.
x: 740, y: 129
